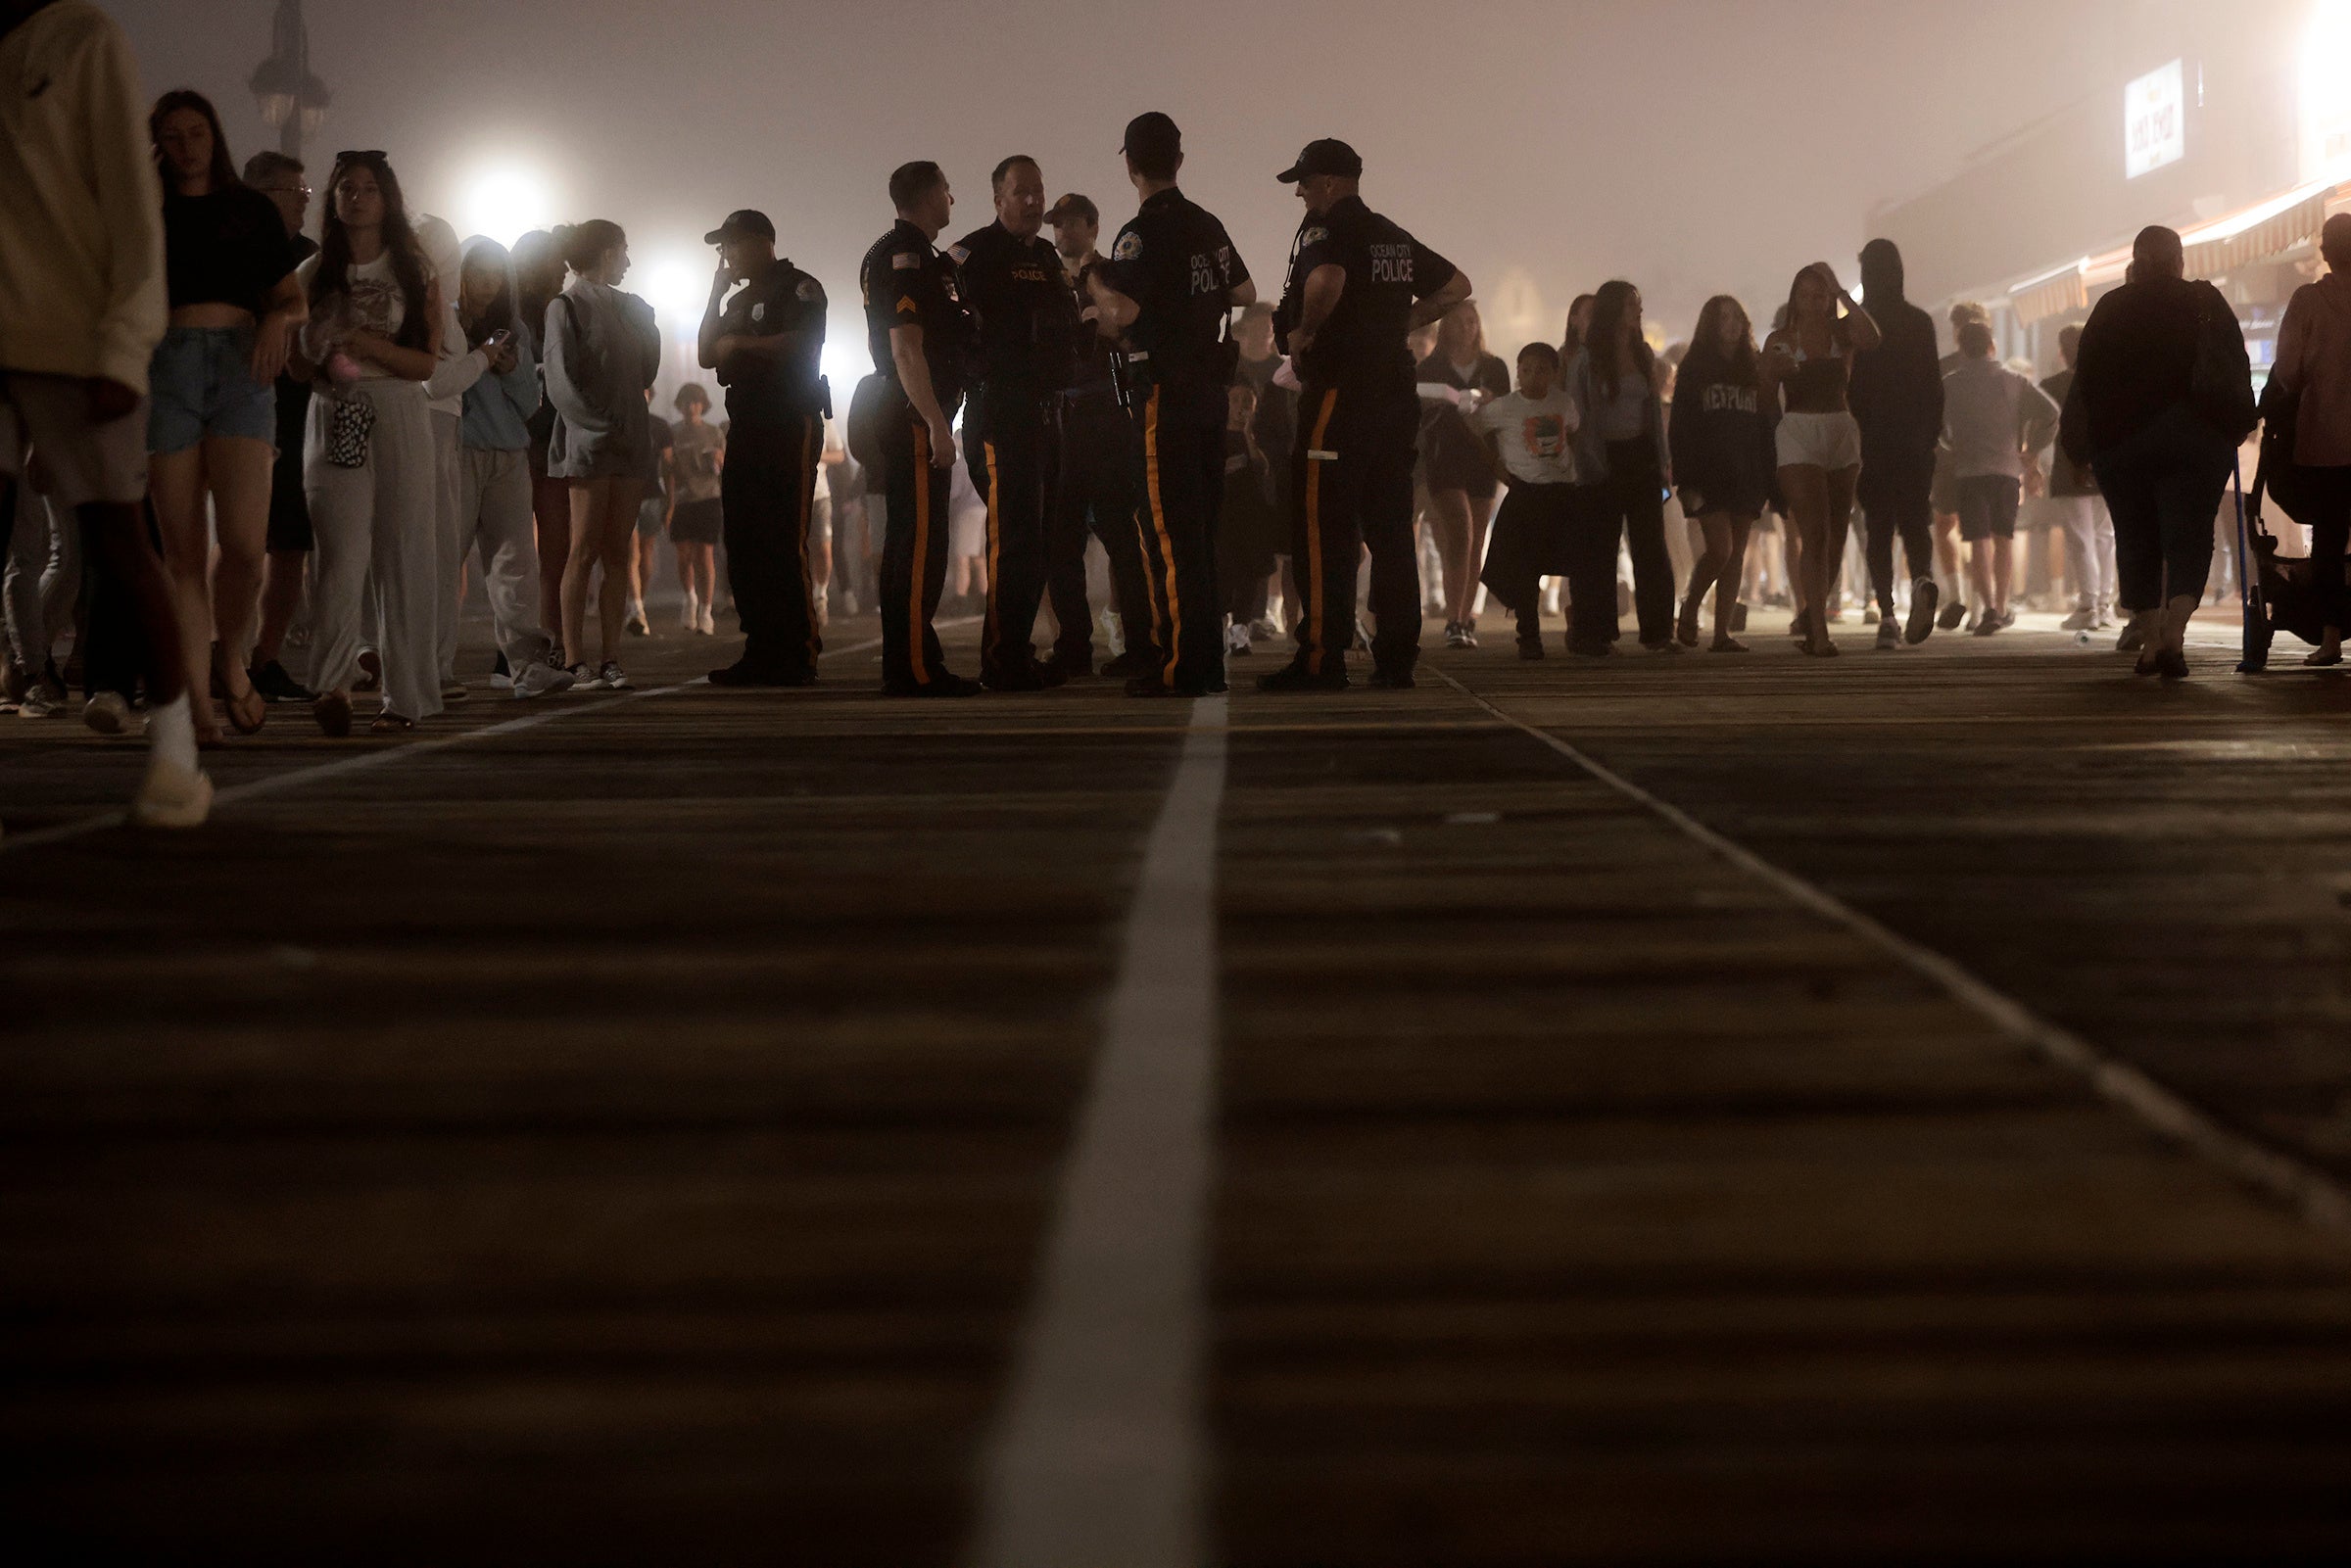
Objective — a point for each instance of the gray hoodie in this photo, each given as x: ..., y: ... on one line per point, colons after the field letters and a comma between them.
x: 603, y: 350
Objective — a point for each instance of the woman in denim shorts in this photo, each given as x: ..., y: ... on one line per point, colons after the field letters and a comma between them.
x: 211, y: 426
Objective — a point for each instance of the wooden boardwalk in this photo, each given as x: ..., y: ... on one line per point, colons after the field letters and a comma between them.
x: 634, y: 1135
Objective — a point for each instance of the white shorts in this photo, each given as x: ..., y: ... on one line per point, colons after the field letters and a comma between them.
x: 1831, y: 441
x: 82, y: 461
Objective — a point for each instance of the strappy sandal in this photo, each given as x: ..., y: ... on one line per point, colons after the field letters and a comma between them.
x: 1727, y: 645
x: 391, y: 724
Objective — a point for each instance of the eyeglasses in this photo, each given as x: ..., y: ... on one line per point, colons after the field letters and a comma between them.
x: 303, y: 191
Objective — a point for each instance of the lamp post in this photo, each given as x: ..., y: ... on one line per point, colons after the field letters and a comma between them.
x: 290, y: 97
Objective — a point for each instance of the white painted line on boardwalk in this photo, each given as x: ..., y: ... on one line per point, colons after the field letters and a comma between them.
x: 554, y: 709
x: 1097, y: 1458
x: 2308, y: 1190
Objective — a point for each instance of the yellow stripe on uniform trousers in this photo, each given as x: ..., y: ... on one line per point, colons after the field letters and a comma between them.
x: 921, y: 554
x: 996, y: 546
x: 1317, y: 630
x: 1167, y: 546
x: 813, y: 453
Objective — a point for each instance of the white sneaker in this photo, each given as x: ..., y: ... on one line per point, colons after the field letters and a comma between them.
x: 1236, y: 637
x: 172, y: 796
x: 107, y: 713
x: 540, y: 679
x: 611, y: 677
x: 691, y: 620
x: 709, y: 622
x: 584, y: 677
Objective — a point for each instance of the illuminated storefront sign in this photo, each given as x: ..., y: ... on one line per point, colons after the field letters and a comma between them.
x: 2154, y: 120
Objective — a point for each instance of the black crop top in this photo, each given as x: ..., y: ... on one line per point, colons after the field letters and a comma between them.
x: 228, y: 248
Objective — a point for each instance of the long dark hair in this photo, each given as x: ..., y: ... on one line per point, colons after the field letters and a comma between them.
x: 1706, y: 345
x: 538, y: 276
x: 1837, y: 326
x: 223, y: 173
x: 409, y: 268
x: 1610, y: 309
x: 499, y: 314
x: 1572, y: 343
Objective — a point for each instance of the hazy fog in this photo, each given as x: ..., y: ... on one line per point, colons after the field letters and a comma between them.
x: 1692, y: 145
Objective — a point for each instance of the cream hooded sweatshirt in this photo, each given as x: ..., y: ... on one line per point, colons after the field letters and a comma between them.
x: 81, y: 213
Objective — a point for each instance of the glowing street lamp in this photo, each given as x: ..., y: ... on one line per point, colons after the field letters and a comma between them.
x: 291, y: 100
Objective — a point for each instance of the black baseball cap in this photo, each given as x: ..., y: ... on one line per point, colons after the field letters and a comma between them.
x: 1074, y: 206
x: 1325, y: 156
x: 1152, y: 133
x: 742, y: 222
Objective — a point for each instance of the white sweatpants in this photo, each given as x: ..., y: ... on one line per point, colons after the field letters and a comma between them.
x: 493, y: 512
x: 2089, y: 548
x: 377, y: 527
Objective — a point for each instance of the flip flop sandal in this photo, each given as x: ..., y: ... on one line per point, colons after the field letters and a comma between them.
x: 391, y: 724
x: 252, y: 703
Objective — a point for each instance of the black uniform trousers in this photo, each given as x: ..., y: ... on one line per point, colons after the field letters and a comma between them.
x: 1352, y: 487
x: 1008, y: 445
x: 1181, y: 425
x: 1095, y: 447
x: 766, y: 494
x: 914, y: 552
x: 1896, y: 496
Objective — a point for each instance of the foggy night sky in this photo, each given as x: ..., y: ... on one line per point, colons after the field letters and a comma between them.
x: 1691, y: 145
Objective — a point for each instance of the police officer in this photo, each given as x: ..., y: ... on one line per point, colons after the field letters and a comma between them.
x: 1168, y: 291
x: 765, y: 342
x: 1095, y: 493
x: 1011, y: 282
x: 920, y: 336
x: 1357, y: 284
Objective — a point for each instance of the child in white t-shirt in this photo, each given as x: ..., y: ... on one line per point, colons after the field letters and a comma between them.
x: 1530, y: 435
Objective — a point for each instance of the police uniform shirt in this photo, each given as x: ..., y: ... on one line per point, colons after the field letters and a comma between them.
x: 908, y: 282
x: 1387, y: 270
x: 768, y: 388
x: 1092, y: 375
x: 1021, y: 304
x: 1174, y: 261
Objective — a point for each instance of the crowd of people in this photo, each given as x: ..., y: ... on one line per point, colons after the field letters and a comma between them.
x: 223, y: 440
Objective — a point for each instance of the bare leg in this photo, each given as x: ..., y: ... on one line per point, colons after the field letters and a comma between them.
x: 1714, y: 552
x: 617, y: 546
x: 239, y: 469
x: 175, y: 482
x: 1734, y: 567
x: 1838, y: 527
x: 579, y: 560
x: 1807, y: 487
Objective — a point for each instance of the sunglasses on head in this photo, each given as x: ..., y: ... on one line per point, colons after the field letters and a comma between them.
x: 372, y: 155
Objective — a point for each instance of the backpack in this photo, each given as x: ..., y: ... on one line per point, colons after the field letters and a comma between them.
x: 2220, y: 387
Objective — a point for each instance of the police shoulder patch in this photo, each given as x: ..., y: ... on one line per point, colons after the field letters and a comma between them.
x: 811, y: 291
x: 1313, y: 236
x: 1129, y: 245
x: 906, y: 261
x: 961, y: 253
